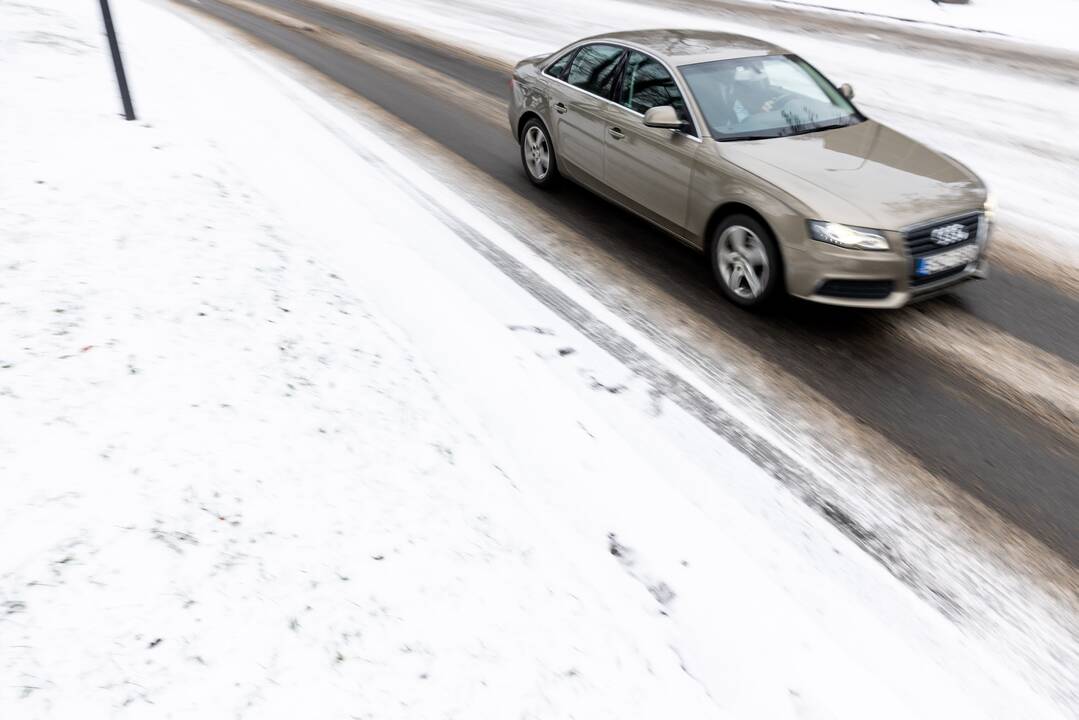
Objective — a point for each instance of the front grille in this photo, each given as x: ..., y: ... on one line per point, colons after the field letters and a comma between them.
x: 920, y: 242
x: 857, y: 289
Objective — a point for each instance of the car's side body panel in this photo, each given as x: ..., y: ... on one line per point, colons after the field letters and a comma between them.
x: 651, y: 166
x: 579, y: 130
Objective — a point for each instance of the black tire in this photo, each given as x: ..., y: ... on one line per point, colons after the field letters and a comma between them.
x: 735, y: 256
x: 537, y: 147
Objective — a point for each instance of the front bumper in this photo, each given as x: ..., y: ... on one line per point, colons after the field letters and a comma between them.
x: 832, y: 275
x: 899, y: 297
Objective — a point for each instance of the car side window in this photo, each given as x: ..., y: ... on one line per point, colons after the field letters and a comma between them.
x: 647, y: 84
x: 558, y: 67
x: 594, y: 68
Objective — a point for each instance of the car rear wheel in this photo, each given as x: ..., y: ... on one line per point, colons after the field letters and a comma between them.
x: 537, y: 154
x: 745, y: 260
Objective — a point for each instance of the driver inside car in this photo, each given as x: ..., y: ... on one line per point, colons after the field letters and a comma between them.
x: 751, y: 92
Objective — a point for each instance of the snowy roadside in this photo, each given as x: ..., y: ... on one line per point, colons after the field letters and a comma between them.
x: 260, y: 447
x: 1017, y: 132
x: 1042, y: 22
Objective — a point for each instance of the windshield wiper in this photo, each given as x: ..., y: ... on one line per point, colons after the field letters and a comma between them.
x: 790, y: 131
x: 830, y: 126
x: 736, y: 138
x: 835, y: 125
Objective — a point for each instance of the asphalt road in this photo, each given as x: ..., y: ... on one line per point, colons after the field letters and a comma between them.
x: 1019, y: 465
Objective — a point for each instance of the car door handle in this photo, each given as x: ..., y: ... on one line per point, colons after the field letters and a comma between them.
x: 616, y: 133
x: 560, y: 108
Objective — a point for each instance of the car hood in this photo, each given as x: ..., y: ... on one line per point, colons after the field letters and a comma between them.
x: 866, y: 175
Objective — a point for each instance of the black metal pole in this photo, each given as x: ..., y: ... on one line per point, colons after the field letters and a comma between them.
x: 117, y: 61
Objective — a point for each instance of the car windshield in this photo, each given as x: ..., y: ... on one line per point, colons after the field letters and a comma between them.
x: 766, y: 97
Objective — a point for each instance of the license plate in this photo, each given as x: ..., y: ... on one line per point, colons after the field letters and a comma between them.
x: 933, y: 264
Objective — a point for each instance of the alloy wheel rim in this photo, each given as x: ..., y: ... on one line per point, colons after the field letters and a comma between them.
x: 743, y: 262
x: 537, y: 153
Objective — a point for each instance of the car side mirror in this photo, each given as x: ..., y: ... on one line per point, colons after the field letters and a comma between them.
x: 846, y: 91
x: 664, y: 116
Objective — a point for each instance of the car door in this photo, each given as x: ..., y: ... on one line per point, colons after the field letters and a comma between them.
x: 579, y: 104
x: 652, y: 167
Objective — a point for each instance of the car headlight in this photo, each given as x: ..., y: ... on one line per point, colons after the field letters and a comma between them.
x: 990, y: 206
x: 854, y: 238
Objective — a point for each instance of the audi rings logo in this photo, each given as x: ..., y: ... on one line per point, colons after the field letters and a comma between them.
x: 949, y: 234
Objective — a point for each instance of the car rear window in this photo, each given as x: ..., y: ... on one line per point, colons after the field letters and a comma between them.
x: 594, y: 68
x: 558, y: 67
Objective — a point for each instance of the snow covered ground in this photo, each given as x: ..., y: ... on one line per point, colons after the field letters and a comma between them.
x: 1017, y: 132
x: 270, y: 447
x: 1043, y: 22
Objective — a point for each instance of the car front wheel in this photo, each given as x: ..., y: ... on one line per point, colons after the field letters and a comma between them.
x: 745, y: 260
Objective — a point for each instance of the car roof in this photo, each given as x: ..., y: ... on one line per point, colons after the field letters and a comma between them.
x: 685, y: 47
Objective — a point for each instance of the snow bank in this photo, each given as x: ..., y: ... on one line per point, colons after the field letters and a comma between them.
x: 1043, y: 22
x: 231, y: 487
x: 263, y: 456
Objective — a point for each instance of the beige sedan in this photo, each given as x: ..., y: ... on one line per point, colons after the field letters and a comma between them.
x: 745, y: 151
